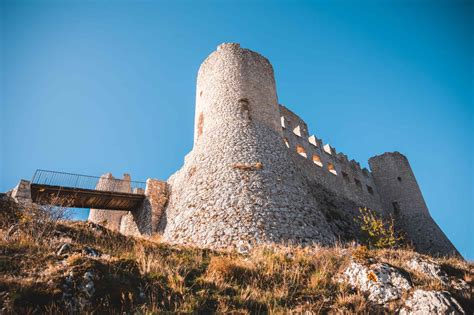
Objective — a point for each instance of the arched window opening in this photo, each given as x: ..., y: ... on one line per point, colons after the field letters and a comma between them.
x: 200, y: 124
x: 301, y: 151
x: 287, y: 143
x: 332, y: 169
x: 317, y: 160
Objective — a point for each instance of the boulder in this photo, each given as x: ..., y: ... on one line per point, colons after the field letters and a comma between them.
x: 380, y: 281
x: 428, y: 268
x: 431, y: 302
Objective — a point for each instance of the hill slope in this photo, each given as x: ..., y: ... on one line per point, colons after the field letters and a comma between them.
x: 80, y: 267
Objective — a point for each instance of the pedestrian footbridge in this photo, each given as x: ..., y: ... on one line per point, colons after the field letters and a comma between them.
x: 83, y: 191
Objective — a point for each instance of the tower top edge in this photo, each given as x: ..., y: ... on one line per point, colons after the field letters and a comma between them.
x: 228, y: 46
x: 389, y: 154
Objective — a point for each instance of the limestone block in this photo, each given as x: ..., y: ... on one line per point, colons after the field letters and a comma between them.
x: 380, y: 281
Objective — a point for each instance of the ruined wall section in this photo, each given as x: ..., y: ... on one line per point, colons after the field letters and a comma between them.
x: 402, y: 197
x: 239, y: 184
x: 144, y: 220
x: 110, y: 218
x: 321, y: 164
x: 22, y: 192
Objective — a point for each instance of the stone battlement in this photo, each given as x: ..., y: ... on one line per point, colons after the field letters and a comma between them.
x: 356, y: 184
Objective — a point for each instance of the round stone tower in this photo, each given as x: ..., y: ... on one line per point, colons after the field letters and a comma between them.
x: 401, y: 196
x: 238, y: 185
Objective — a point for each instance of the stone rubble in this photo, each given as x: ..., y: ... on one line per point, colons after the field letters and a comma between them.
x: 88, y: 285
x: 63, y: 249
x: 89, y: 251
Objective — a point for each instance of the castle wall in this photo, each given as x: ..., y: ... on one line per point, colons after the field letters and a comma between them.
x: 346, y: 179
x: 145, y: 219
x: 239, y: 184
x: 255, y: 174
x: 110, y: 218
x: 292, y: 122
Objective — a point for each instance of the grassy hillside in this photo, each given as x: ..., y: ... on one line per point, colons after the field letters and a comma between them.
x: 64, y: 267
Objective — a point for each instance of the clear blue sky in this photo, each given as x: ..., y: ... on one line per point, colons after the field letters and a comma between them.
x: 98, y: 86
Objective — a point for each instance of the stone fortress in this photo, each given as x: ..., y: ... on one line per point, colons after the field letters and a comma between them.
x: 255, y: 175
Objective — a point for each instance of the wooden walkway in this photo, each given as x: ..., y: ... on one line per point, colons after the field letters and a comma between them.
x: 82, y: 191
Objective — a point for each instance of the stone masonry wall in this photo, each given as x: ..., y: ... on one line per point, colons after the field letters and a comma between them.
x: 256, y: 175
x: 239, y: 184
x: 145, y: 219
x: 110, y: 218
x: 347, y: 179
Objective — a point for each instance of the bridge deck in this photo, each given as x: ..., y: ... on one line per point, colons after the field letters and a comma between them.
x: 84, y: 198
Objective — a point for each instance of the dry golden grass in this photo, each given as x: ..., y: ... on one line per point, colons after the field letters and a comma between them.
x: 226, y: 269
x: 138, y: 275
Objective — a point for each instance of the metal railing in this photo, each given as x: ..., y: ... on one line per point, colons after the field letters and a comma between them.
x: 61, y: 179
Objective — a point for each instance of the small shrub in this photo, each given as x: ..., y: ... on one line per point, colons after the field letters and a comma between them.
x: 379, y: 232
x: 38, y: 221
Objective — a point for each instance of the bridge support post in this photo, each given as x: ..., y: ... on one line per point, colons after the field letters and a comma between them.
x: 145, y: 219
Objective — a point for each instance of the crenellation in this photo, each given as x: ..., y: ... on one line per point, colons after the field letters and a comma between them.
x: 342, y: 158
x: 331, y: 165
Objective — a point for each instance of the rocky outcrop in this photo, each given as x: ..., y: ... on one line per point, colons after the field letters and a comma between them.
x: 431, y: 302
x: 428, y: 268
x: 381, y: 282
